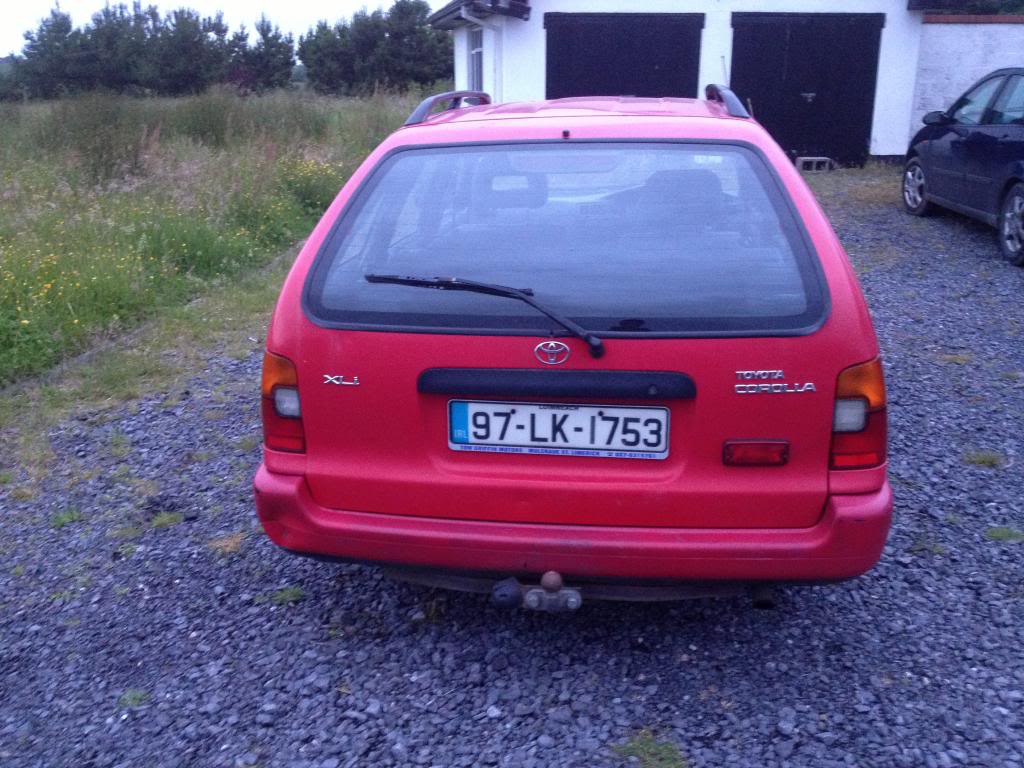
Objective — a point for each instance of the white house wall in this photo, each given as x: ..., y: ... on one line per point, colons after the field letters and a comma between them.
x: 954, y: 56
x: 460, y: 39
x: 519, y: 74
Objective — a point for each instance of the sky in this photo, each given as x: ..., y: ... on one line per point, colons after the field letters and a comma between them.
x: 295, y: 16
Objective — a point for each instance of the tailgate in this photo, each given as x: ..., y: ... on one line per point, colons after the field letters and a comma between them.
x: 386, y: 445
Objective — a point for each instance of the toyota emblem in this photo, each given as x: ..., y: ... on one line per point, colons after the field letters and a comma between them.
x: 552, y: 352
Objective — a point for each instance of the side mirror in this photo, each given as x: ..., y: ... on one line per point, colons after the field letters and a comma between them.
x: 937, y: 118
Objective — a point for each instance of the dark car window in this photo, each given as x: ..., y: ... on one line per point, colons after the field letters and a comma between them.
x: 970, y: 108
x: 621, y: 237
x: 1009, y: 107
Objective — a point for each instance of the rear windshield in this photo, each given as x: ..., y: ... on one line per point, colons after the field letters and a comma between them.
x: 624, y: 238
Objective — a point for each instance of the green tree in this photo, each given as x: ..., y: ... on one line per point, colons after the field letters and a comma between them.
x: 368, y: 35
x: 189, y: 52
x: 136, y: 49
x: 116, y: 41
x: 10, y: 87
x: 413, y: 52
x: 54, y: 59
x: 394, y: 49
x: 272, y: 58
x: 238, y: 72
x: 265, y: 65
x: 327, y: 55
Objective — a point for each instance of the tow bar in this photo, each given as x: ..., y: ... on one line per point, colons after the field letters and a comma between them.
x: 551, y: 596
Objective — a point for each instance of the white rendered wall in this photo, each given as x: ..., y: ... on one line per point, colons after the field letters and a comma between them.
x: 492, y: 70
x: 954, y: 56
x: 460, y: 39
x: 521, y: 67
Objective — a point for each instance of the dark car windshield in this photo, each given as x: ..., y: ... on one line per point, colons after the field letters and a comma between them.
x: 668, y: 238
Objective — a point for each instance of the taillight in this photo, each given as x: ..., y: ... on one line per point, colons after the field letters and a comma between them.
x: 282, y: 408
x: 859, y: 421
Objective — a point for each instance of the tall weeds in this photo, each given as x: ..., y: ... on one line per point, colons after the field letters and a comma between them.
x: 112, y: 207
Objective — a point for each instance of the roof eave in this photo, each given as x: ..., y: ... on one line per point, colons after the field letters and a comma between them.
x: 450, y: 16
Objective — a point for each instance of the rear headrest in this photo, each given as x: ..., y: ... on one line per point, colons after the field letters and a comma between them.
x: 510, y: 189
x: 684, y: 183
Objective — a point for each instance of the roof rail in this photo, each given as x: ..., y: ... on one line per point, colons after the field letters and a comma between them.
x: 724, y: 96
x: 456, y: 98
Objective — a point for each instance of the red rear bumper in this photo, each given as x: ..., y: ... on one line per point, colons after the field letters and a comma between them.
x: 846, y: 542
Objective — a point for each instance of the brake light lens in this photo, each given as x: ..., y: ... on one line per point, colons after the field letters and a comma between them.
x: 281, y: 407
x: 859, y: 428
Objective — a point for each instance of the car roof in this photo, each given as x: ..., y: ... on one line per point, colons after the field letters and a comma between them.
x: 610, y: 107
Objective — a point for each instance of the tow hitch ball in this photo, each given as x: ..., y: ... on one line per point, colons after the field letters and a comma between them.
x: 551, y: 596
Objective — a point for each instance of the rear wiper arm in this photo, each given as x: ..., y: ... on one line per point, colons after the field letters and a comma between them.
x: 594, y: 344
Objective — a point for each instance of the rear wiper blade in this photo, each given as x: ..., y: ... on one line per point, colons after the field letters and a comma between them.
x: 594, y: 344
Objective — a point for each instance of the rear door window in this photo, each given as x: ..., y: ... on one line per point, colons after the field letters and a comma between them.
x: 625, y: 238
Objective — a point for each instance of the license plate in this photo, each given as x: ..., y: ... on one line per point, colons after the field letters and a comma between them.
x: 558, y: 429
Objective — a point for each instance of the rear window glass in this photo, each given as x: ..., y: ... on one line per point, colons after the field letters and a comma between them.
x: 630, y: 238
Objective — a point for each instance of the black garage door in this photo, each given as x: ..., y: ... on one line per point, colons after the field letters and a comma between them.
x: 622, y: 54
x: 810, y: 78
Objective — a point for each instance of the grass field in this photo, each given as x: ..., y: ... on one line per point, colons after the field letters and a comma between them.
x: 114, y: 209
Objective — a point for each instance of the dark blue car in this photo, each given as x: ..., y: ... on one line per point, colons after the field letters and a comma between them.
x: 970, y: 159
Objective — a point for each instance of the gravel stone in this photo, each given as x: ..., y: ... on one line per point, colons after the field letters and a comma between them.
x: 173, y: 653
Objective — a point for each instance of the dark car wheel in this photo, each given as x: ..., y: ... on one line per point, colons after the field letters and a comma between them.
x: 914, y: 186
x: 1011, y: 225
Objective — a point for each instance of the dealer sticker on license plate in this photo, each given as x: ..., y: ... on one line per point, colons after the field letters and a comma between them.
x: 558, y: 429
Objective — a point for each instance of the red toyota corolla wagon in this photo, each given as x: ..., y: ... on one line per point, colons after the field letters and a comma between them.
x: 608, y: 344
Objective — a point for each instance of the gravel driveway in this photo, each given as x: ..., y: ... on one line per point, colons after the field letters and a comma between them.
x: 145, y: 620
